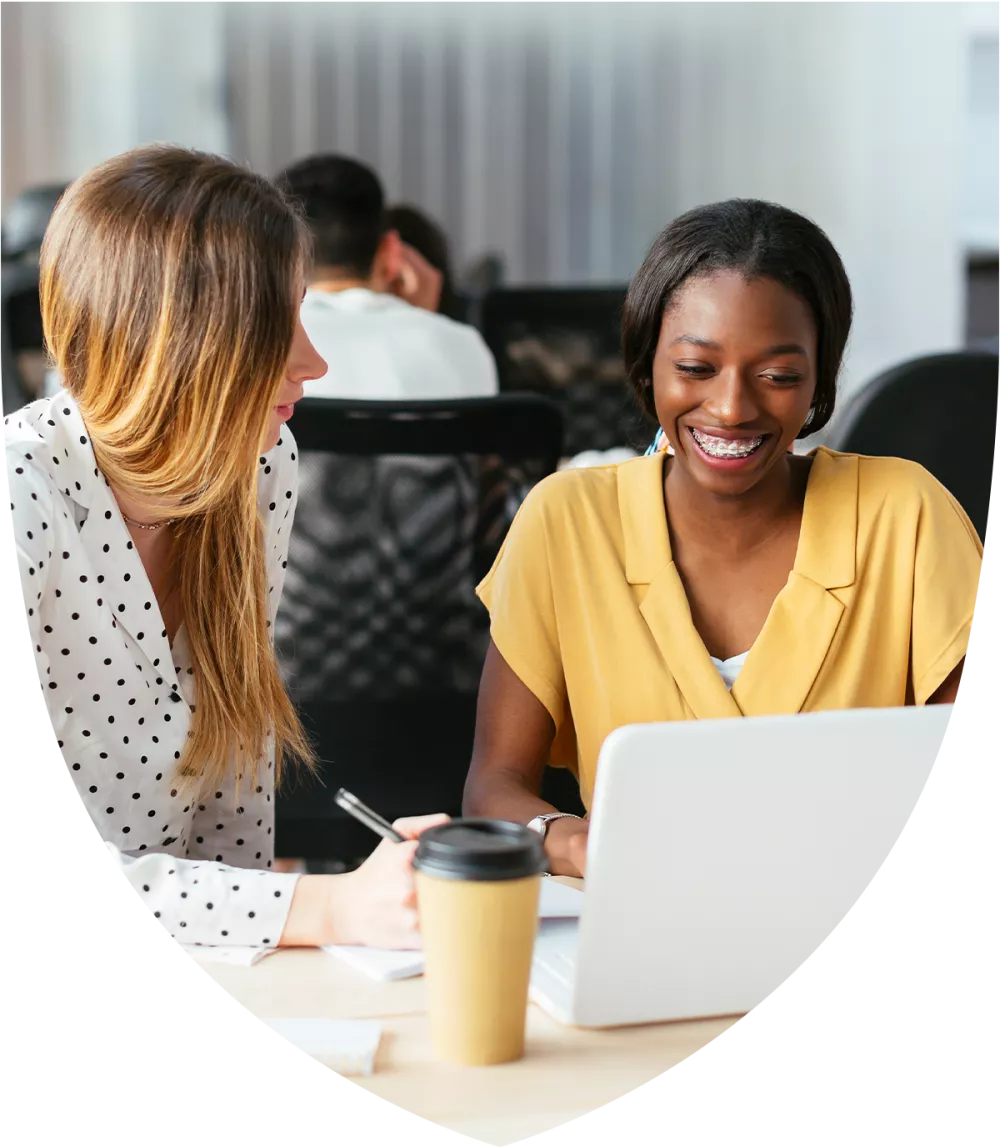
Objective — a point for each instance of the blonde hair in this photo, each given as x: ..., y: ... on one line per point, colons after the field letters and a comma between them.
x: 168, y: 282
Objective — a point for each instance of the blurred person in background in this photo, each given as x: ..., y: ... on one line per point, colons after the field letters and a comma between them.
x: 377, y: 344
x: 431, y: 284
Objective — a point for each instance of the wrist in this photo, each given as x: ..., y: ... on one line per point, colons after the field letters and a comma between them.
x: 313, y: 917
x: 558, y: 835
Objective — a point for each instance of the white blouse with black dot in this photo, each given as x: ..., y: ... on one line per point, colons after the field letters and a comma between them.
x: 120, y: 696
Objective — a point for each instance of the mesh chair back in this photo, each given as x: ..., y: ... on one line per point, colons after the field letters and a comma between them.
x: 940, y: 411
x: 566, y: 344
x: 402, y: 509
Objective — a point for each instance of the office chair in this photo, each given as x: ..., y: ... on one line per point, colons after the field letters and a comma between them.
x: 940, y: 411
x: 566, y: 344
x: 402, y: 509
x: 25, y: 221
x: 21, y: 324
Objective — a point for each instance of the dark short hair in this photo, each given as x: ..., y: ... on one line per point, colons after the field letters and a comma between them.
x: 344, y: 204
x: 757, y: 240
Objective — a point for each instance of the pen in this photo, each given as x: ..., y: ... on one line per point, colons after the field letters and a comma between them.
x: 368, y: 817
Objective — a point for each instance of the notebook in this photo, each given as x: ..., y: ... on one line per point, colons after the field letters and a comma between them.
x: 348, y: 1046
x: 556, y: 901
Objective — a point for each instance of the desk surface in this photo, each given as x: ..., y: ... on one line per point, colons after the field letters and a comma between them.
x: 565, y: 1072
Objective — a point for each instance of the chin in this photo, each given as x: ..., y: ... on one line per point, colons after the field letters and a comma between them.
x: 272, y: 434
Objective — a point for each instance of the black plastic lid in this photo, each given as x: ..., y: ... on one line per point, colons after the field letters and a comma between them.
x: 480, y: 849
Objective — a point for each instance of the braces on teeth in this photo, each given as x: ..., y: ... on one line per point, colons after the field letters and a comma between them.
x: 725, y: 447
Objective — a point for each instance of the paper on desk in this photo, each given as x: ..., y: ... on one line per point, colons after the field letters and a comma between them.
x: 227, y: 954
x: 556, y: 901
x: 348, y: 1046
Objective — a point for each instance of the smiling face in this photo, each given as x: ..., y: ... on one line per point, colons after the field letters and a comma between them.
x: 733, y: 378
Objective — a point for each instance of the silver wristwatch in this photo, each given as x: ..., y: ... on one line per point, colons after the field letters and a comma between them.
x: 540, y: 824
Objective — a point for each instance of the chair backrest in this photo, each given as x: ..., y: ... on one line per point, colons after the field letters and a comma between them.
x: 24, y: 222
x: 402, y: 509
x: 940, y: 411
x: 566, y: 344
x: 21, y: 322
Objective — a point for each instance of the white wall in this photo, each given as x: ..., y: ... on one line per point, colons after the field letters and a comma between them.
x: 85, y: 81
x: 563, y: 135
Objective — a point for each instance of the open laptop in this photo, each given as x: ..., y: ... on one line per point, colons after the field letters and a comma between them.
x: 722, y: 853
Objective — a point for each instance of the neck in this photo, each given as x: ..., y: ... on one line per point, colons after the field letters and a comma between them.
x: 140, y: 510
x: 331, y: 280
x: 734, y: 525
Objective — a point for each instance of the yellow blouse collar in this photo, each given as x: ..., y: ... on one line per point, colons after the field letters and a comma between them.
x: 790, y: 650
x: 826, y: 552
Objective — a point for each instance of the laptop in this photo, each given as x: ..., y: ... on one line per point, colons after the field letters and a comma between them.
x: 722, y: 853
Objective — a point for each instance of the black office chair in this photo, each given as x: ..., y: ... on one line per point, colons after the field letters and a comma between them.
x: 21, y: 325
x: 940, y: 411
x: 566, y: 344
x: 402, y: 509
x: 25, y: 220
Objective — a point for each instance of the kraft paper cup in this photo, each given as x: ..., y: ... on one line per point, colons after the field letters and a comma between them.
x: 477, y: 890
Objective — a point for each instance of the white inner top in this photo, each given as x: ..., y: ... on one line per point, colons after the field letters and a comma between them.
x: 729, y: 669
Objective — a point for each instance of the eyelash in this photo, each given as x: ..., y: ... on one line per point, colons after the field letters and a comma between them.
x: 703, y: 371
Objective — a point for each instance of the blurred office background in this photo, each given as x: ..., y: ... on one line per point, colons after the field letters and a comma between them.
x: 562, y: 137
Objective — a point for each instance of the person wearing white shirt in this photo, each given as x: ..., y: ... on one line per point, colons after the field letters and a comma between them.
x: 370, y: 309
x: 152, y: 502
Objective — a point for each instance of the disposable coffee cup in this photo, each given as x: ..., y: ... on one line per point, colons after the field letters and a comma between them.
x: 477, y: 892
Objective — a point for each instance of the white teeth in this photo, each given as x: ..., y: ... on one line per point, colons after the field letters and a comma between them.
x: 726, y: 447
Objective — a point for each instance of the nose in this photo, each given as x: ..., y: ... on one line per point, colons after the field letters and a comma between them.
x: 305, y: 362
x: 731, y: 400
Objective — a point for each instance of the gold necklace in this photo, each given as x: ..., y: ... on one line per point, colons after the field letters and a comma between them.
x: 149, y: 525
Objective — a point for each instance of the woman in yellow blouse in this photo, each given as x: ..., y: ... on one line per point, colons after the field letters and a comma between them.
x: 730, y: 577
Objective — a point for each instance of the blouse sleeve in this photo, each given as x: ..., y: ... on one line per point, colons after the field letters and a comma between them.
x: 206, y: 902
x: 519, y: 596
x: 945, y: 579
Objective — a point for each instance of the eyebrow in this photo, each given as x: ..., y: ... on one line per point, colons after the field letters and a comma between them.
x: 707, y: 344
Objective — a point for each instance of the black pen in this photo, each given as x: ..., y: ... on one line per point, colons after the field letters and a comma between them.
x: 368, y: 817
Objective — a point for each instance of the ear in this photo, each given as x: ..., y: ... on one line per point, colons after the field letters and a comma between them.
x: 387, y: 265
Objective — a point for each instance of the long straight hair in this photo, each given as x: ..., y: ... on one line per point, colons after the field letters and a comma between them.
x: 169, y: 298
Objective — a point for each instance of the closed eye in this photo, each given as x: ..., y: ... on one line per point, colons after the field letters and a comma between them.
x: 695, y: 370
x: 784, y: 379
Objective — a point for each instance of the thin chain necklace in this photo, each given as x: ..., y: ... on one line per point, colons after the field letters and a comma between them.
x: 149, y: 525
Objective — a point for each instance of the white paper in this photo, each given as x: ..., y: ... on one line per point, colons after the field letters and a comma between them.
x: 559, y: 901
x: 348, y: 1046
x: 556, y: 901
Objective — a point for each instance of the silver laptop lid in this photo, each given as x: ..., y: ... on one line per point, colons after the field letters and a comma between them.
x: 722, y: 853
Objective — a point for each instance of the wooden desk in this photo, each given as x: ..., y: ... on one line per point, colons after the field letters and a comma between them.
x: 565, y: 1073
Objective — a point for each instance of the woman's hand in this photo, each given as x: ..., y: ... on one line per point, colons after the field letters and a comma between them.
x: 376, y: 905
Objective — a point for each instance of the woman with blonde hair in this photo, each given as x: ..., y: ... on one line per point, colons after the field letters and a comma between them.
x: 152, y: 501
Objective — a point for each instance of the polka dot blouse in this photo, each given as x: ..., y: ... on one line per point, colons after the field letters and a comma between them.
x: 120, y: 696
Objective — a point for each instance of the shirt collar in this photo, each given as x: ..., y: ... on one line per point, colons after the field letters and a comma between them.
x: 827, y: 546
x: 70, y: 460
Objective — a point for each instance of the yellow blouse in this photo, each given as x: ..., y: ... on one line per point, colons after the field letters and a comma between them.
x: 588, y: 609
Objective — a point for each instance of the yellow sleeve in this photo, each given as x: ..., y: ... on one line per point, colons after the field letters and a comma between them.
x: 946, y: 568
x: 518, y: 594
